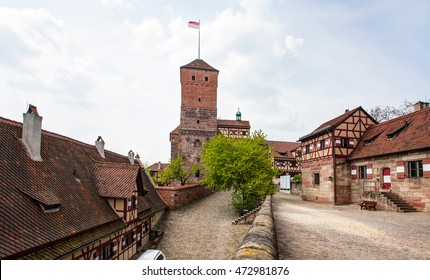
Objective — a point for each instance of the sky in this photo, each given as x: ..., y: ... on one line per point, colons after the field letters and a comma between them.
x: 111, y: 67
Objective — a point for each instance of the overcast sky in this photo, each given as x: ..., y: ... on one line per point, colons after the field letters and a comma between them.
x: 111, y: 67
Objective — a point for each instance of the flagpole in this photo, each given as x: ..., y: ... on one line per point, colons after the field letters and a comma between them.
x: 199, y: 39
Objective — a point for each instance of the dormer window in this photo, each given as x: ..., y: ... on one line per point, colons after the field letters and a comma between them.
x: 391, y: 136
x: 49, y: 208
x: 76, y: 176
x: 393, y: 133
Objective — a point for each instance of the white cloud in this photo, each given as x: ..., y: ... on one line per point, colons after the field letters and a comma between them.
x: 293, y: 45
x: 113, y: 70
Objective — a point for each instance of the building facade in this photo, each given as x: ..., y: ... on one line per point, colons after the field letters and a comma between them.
x: 64, y: 199
x: 284, y: 158
x: 352, y: 158
x: 325, y: 172
x: 394, y: 157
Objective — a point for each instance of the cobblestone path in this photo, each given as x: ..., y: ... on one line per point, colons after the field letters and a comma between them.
x: 311, y: 231
x: 202, y: 230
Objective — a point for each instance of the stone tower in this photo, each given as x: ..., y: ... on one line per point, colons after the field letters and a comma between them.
x: 198, y: 120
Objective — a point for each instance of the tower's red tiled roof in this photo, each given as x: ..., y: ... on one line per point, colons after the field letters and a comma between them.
x: 63, y: 178
x: 199, y: 64
x: 411, y: 132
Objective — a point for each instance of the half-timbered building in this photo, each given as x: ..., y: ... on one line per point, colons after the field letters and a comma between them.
x: 64, y: 199
x: 325, y: 172
x: 284, y: 158
x: 234, y: 128
x: 392, y: 160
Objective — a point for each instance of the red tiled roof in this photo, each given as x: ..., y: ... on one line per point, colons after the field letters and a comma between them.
x: 333, y: 123
x: 199, y: 64
x: 283, y: 149
x: 115, y: 179
x: 232, y: 124
x: 413, y: 133
x: 158, y: 166
x: 64, y: 177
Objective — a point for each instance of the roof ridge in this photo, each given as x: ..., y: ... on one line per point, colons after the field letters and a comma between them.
x: 56, y: 135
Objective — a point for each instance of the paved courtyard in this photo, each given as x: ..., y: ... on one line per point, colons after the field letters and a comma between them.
x: 203, y: 230
x: 311, y: 231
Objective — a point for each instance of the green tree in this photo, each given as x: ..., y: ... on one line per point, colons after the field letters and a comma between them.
x: 243, y: 166
x: 178, y: 170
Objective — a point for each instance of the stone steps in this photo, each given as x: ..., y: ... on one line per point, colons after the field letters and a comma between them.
x: 402, y: 205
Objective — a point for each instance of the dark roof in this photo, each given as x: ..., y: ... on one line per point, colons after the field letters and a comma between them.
x: 282, y: 149
x: 115, y: 179
x: 410, y: 132
x: 63, y: 178
x: 199, y: 64
x: 232, y: 124
x: 333, y: 123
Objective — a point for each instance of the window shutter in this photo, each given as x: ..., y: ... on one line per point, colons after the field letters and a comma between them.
x: 338, y: 142
x: 400, y: 169
x: 351, y: 143
x: 369, y: 171
x: 353, y: 172
x: 128, y: 204
x: 426, y: 167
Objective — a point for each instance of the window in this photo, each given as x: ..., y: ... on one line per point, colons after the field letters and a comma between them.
x: 128, y: 239
x: 197, y: 174
x: 308, y: 148
x: 317, y: 178
x: 415, y: 169
x: 106, y: 252
x: 197, y: 144
x: 193, y: 78
x: 322, y: 144
x: 198, y: 121
x: 200, y: 99
x: 362, y: 172
x: 133, y: 202
x: 344, y: 142
x: 145, y: 227
x: 206, y: 79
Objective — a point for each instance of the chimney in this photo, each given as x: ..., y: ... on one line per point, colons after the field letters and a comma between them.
x: 420, y: 105
x: 32, y: 133
x: 100, y: 145
x: 346, y: 110
x: 131, y: 156
x: 159, y: 165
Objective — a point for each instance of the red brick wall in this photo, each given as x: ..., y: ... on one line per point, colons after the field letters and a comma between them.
x: 180, y: 196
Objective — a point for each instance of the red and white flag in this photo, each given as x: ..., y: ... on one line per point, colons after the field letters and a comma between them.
x: 194, y: 24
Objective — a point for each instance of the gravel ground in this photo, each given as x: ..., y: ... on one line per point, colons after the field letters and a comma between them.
x: 311, y: 231
x: 202, y: 230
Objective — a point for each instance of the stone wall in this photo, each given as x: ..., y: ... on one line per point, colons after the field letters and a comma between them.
x: 322, y: 192
x: 178, y: 196
x: 416, y: 191
x: 260, y: 242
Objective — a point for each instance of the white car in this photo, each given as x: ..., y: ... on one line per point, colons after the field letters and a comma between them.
x: 152, y: 255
